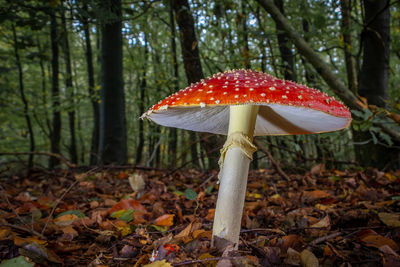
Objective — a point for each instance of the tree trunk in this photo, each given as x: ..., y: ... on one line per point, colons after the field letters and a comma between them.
x: 94, y: 147
x: 374, y: 77
x: 194, y: 72
x: 348, y: 45
x: 23, y: 98
x: 308, y: 145
x: 44, y: 88
x: 112, y: 146
x: 143, y: 85
x: 285, y: 48
x: 173, y: 139
x: 70, y: 91
x: 308, y: 72
x: 56, y: 124
x: 245, y: 36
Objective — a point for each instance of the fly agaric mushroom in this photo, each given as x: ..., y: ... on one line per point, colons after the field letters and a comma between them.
x: 243, y: 104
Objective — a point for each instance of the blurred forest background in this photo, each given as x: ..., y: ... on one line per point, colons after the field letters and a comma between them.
x: 75, y: 76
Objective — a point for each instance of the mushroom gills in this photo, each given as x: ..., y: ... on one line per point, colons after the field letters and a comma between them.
x: 272, y: 119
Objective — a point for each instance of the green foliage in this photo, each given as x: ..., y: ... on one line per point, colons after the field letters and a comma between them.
x: 124, y: 215
x: 74, y: 212
x: 364, y: 122
x: 19, y: 261
x: 190, y: 194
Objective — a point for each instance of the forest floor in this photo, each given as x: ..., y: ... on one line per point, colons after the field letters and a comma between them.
x: 131, y: 218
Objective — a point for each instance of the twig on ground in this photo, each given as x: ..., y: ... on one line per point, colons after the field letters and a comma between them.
x: 207, y: 180
x: 24, y: 229
x: 273, y: 161
x: 57, y: 202
x: 204, y: 260
x: 325, y: 238
x: 277, y: 231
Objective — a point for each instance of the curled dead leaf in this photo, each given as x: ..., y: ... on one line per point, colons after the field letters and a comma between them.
x: 309, y: 196
x: 377, y: 241
x: 308, y: 259
x: 162, y: 263
x: 165, y: 220
x: 390, y: 219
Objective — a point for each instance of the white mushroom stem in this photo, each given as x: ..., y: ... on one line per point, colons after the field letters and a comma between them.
x: 235, y: 161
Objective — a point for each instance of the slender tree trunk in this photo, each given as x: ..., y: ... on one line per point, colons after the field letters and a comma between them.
x: 143, y: 85
x: 173, y: 140
x: 245, y: 36
x: 94, y: 158
x: 309, y: 145
x: 351, y: 68
x: 44, y: 88
x: 374, y: 77
x: 70, y: 91
x: 285, y: 48
x: 23, y: 98
x: 308, y: 72
x: 112, y: 147
x: 194, y: 72
x: 56, y: 124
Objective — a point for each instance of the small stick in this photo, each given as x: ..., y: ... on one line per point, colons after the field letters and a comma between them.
x: 203, y: 260
x: 277, y: 231
x: 22, y: 228
x: 58, y: 202
x: 324, y: 238
x: 273, y: 161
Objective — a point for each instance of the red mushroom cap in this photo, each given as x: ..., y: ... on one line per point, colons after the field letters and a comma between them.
x: 285, y: 107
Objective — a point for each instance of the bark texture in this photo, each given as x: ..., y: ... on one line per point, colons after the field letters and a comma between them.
x: 352, y: 75
x: 143, y: 85
x: 23, y: 98
x: 94, y: 147
x: 55, y: 135
x: 70, y: 91
x: 374, y: 79
x: 285, y: 48
x: 194, y: 73
x: 374, y: 75
x: 112, y: 147
x: 173, y: 138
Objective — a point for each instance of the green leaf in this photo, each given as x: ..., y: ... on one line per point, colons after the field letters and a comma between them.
x: 209, y: 189
x: 76, y: 212
x: 190, y: 194
x: 374, y: 139
x: 124, y: 215
x: 16, y: 262
x: 386, y: 138
x: 334, y: 178
x: 178, y: 193
x: 161, y: 229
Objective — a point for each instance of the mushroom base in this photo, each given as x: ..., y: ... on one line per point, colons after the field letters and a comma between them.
x: 231, y: 195
x: 235, y: 162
